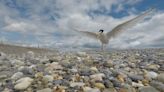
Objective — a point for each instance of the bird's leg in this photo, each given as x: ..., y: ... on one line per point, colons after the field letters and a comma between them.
x: 105, y: 46
x: 102, y: 50
x: 102, y: 47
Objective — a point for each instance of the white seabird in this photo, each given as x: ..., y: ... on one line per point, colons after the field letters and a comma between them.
x: 104, y: 38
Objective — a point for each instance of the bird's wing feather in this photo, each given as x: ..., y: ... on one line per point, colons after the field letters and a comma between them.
x: 124, y: 26
x: 89, y: 34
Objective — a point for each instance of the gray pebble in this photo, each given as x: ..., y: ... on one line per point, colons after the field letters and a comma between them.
x: 136, y: 78
x: 148, y: 89
x: 158, y: 85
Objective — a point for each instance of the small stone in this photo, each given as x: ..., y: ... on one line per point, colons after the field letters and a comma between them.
x: 74, y: 70
x: 108, y: 84
x: 29, y: 89
x: 157, y: 85
x: 65, y: 82
x: 108, y: 64
x: 77, y: 77
x: 17, y: 62
x: 3, y: 76
x: 132, y: 65
x: 98, y: 76
x: 55, y: 65
x: 45, y: 90
x: 161, y: 67
x: 127, y: 88
x: 89, y: 89
x: 147, y: 89
x: 99, y: 85
x: 85, y: 72
x: 153, y: 67
x: 8, y: 84
x: 134, y: 84
x: 26, y: 70
x: 17, y: 75
x: 120, y: 78
x: 3, y: 56
x: 7, y: 90
x: 94, y: 69
x: 145, y: 82
x: 123, y: 90
x: 116, y: 83
x: 66, y: 64
x: 136, y: 78
x: 59, y: 89
x: 39, y: 67
x: 79, y: 84
x: 23, y: 83
x: 49, y: 78
x: 127, y: 69
x: 160, y: 77
x: 151, y: 75
x: 39, y: 75
x: 112, y: 89
x: 57, y: 82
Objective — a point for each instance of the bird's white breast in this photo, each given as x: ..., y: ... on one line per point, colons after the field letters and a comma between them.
x: 102, y: 37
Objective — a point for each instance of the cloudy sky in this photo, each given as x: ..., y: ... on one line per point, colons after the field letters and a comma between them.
x: 50, y: 22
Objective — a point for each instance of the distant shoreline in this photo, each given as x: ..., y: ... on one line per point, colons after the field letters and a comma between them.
x: 11, y: 49
x: 15, y: 49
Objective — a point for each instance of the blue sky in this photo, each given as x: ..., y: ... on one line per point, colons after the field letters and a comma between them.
x: 50, y: 22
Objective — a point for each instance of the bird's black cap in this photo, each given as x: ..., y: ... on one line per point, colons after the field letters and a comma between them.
x: 101, y: 30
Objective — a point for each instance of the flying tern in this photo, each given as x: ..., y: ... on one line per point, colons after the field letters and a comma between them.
x: 105, y: 37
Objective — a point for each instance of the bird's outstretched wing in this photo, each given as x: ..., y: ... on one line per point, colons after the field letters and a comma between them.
x: 124, y: 26
x: 89, y: 34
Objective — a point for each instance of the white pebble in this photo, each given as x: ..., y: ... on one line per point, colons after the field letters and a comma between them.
x: 23, y: 83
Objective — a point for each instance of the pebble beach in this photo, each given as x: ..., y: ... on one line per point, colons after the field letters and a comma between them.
x: 133, y: 70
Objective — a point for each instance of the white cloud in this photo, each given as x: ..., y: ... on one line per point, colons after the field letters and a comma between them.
x: 132, y: 2
x: 45, y: 18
